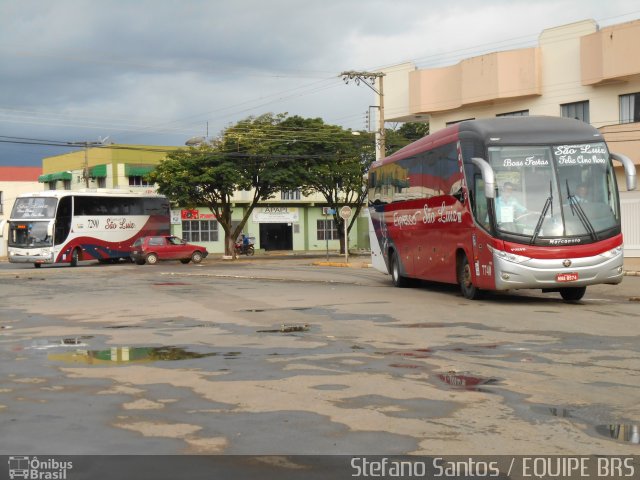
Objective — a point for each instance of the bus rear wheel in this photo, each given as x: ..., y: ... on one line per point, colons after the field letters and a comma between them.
x: 465, y: 279
x: 572, y: 294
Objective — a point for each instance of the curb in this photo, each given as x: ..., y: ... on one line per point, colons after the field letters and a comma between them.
x: 342, y: 264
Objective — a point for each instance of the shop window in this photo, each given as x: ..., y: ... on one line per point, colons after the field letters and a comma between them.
x: 139, y: 181
x: 327, y: 230
x: 200, y: 230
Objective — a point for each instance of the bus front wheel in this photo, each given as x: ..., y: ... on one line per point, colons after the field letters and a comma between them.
x: 465, y: 279
x: 398, y: 280
x: 75, y: 257
x: 572, y: 294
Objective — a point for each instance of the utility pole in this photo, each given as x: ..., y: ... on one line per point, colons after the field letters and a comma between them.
x: 85, y: 167
x: 369, y: 79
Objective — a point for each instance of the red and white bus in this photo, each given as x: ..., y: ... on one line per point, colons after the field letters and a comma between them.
x: 58, y: 226
x: 500, y: 204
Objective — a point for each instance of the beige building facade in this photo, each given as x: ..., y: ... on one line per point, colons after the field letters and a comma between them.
x: 577, y: 70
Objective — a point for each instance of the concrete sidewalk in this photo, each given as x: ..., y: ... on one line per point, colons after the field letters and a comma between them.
x: 632, y: 266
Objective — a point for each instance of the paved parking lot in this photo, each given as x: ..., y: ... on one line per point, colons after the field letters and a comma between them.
x: 288, y: 356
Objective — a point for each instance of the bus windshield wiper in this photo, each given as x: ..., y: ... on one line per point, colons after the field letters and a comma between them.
x: 576, y: 209
x: 547, y: 204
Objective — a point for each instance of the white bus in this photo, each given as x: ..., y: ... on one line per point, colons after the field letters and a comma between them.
x: 67, y: 226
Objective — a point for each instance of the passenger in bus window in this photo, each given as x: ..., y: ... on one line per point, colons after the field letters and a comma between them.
x: 582, y: 192
x: 508, y: 208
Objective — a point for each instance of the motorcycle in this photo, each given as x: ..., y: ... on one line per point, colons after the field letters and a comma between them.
x: 245, y: 249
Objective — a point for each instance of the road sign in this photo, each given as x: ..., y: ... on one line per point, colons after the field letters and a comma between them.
x: 345, y: 212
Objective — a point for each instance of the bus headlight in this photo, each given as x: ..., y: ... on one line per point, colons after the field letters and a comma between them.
x: 613, y: 253
x: 509, y: 257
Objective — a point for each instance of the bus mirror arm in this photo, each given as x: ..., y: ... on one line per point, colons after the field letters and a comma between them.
x: 487, y: 175
x: 629, y: 169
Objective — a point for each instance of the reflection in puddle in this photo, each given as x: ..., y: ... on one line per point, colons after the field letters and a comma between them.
x: 464, y: 381
x: 123, y: 355
x: 623, y: 432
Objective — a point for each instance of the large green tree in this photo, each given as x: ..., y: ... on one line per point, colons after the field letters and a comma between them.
x: 244, y: 158
x: 334, y: 163
x: 271, y: 153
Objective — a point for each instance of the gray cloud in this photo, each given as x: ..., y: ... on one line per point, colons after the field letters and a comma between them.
x: 156, y: 72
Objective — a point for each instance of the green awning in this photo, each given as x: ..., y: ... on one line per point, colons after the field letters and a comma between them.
x: 99, y: 171
x: 52, y: 177
x: 137, y: 170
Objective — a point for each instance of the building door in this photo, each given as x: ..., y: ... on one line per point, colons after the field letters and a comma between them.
x: 276, y: 236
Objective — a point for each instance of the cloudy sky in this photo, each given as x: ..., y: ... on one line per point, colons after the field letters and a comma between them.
x: 158, y: 72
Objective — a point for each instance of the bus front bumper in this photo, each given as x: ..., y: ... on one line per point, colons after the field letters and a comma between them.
x: 29, y: 256
x: 558, y: 273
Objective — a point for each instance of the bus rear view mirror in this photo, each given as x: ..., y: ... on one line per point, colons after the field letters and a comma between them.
x: 487, y: 175
x: 629, y: 169
x: 50, y: 229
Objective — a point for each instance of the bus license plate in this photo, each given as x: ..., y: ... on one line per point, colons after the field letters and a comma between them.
x: 566, y: 277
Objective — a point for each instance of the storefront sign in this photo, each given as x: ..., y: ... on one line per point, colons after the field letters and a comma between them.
x: 276, y: 215
x: 190, y: 214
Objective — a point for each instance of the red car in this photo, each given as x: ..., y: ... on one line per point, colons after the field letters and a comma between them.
x: 165, y: 247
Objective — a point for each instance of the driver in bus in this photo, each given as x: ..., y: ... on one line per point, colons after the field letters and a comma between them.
x: 508, y: 208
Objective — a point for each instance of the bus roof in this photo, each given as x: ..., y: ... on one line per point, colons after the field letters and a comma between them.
x: 530, y: 130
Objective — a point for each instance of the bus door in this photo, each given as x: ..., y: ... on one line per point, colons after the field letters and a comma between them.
x: 482, y: 261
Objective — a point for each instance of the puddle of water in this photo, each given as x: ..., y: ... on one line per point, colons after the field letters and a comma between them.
x: 624, y: 432
x: 287, y: 329
x: 331, y: 387
x: 125, y: 355
x: 467, y: 382
x: 424, y: 325
x: 406, y: 365
x: 418, y: 353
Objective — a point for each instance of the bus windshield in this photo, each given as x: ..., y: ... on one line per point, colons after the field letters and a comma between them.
x: 554, y: 191
x: 29, y: 234
x: 34, y: 207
